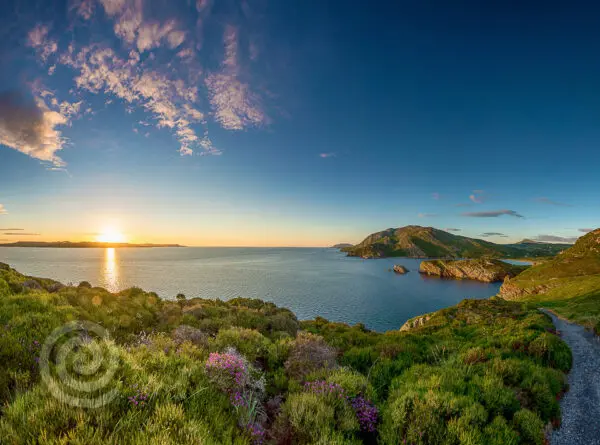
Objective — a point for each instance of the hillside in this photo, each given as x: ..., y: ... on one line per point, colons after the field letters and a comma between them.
x: 246, y: 372
x: 428, y: 242
x: 568, y: 283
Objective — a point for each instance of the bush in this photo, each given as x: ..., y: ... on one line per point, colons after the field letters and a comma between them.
x: 309, y: 353
x: 552, y: 351
x: 530, y: 426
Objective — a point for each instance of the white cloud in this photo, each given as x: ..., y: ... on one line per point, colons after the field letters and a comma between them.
x: 170, y: 101
x: 83, y: 8
x: 2, y: 210
x: 327, y: 155
x: 235, y: 105
x: 31, y: 128
x: 38, y: 39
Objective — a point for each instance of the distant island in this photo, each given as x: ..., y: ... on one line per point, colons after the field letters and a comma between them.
x: 83, y: 244
x: 428, y: 242
x: 341, y: 245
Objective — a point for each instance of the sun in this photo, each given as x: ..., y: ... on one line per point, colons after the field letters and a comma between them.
x: 111, y: 236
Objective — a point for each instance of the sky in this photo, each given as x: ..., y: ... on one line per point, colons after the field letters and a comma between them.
x: 295, y: 123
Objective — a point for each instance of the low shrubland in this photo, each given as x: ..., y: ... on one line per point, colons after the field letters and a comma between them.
x: 192, y: 371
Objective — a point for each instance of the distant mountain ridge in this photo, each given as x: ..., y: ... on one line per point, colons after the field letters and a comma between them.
x: 341, y: 245
x: 81, y: 244
x: 428, y: 242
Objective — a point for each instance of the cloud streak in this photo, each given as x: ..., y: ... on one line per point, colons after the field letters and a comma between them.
x: 477, y: 197
x: 490, y: 234
x: 427, y: 215
x: 20, y: 234
x: 556, y: 239
x: 492, y: 214
x: 450, y: 229
x: 586, y: 230
x: 549, y: 201
x: 326, y: 155
x: 3, y: 211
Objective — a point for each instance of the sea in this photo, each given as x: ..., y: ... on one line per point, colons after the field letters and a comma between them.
x: 309, y: 281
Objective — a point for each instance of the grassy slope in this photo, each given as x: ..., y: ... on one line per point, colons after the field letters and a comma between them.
x: 416, y: 241
x: 482, y: 372
x: 568, y: 284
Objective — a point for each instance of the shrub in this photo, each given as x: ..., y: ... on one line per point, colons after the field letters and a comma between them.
x: 308, y: 354
x: 183, y: 333
x: 552, y: 351
x: 530, y: 426
x: 250, y: 343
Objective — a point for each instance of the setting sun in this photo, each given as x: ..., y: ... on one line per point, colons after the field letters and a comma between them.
x: 111, y: 236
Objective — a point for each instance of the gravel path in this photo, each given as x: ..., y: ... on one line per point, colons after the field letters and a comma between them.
x: 580, y: 406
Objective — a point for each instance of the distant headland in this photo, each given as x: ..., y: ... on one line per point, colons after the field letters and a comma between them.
x: 83, y: 244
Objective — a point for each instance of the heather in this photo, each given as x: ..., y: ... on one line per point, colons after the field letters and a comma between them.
x: 191, y: 371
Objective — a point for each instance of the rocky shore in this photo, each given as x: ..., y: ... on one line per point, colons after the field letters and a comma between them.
x: 485, y: 270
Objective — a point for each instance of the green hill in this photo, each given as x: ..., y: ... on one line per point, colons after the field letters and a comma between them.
x: 568, y: 283
x: 428, y: 242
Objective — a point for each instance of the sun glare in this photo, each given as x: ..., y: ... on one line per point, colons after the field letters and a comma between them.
x: 111, y: 236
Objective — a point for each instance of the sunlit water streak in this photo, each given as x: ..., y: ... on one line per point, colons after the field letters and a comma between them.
x: 310, y: 282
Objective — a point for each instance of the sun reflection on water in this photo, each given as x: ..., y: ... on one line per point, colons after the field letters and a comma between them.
x: 111, y: 271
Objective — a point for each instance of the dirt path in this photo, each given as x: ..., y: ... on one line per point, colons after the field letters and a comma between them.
x: 580, y: 407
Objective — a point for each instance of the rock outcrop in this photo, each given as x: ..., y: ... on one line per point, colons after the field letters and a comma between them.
x: 485, y: 270
x: 415, y: 322
x: 400, y: 269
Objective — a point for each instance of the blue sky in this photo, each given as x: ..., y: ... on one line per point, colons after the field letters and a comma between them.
x: 297, y: 123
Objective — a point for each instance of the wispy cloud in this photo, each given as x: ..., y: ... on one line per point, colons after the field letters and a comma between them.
x: 492, y: 214
x: 3, y: 211
x: 450, y: 229
x: 477, y: 197
x: 490, y: 234
x: 556, y: 239
x: 463, y: 204
x: 235, y: 106
x: 586, y: 230
x: 326, y: 155
x: 427, y: 215
x: 435, y: 196
x: 549, y: 201
x: 20, y: 234
x: 38, y: 40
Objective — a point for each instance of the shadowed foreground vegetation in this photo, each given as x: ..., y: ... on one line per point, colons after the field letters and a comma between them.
x: 244, y: 371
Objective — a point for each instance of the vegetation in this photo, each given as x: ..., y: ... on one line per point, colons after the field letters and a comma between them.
x: 568, y: 284
x: 245, y: 372
x: 427, y: 242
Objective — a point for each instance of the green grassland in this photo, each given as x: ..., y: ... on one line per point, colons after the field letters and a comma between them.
x: 481, y: 372
x: 568, y: 284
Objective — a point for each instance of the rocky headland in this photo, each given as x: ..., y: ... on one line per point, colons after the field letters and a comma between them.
x: 486, y: 270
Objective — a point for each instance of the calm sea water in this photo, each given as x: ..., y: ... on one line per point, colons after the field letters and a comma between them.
x: 310, y: 282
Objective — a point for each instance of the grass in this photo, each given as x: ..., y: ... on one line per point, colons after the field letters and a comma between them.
x: 194, y: 371
x: 568, y: 284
